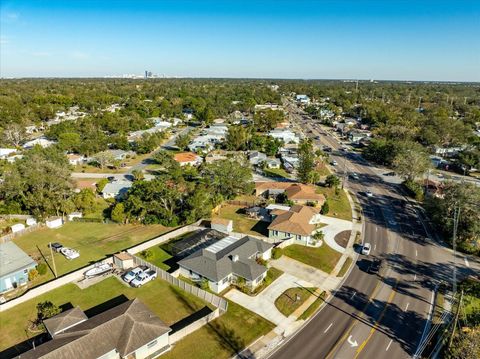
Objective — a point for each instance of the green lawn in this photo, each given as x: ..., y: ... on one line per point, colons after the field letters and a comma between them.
x: 339, y: 204
x: 168, y: 302
x: 292, y: 299
x: 323, y: 258
x: 241, y: 223
x: 94, y: 241
x: 276, y: 172
x: 345, y: 266
x: 158, y: 257
x: 223, y: 337
x: 313, y: 307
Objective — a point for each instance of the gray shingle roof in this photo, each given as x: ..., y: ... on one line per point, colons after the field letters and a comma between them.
x: 64, y: 320
x: 13, y: 259
x: 216, y: 266
x: 126, y: 328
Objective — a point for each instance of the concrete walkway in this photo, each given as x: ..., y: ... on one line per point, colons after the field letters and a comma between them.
x: 263, y: 303
x: 332, y: 228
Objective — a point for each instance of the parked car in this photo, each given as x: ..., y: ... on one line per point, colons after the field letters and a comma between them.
x: 333, y: 163
x: 354, y: 175
x: 143, y: 278
x: 317, y: 137
x: 369, y: 194
x: 327, y: 149
x: 131, y: 275
x: 375, y: 266
x: 366, y: 249
x: 55, y: 246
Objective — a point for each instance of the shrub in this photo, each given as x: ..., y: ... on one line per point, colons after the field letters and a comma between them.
x: 147, y: 254
x: 277, y: 253
x: 414, y: 189
x: 42, y: 269
x: 311, y: 204
x: 46, y: 310
x: 32, y: 274
x: 325, y: 208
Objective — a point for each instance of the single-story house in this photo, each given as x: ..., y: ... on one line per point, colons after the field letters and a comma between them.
x: 116, y: 189
x: 303, y: 99
x: 41, y: 141
x: 256, y: 157
x: 54, y: 222
x: 225, y: 261
x: 129, y: 330
x: 298, y: 222
x: 75, y: 159
x: 222, y: 225
x: 187, y: 158
x: 273, y: 163
x: 285, y: 135
x: 17, y: 227
x: 297, y: 192
x: 31, y: 221
x: 14, y: 268
x: 356, y: 136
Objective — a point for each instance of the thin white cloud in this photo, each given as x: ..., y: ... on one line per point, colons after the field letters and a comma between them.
x: 4, y: 40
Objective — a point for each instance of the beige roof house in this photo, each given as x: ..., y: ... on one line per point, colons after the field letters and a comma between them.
x: 123, y: 329
x: 295, y: 221
x: 296, y: 192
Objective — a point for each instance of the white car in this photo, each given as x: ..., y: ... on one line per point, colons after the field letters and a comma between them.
x: 333, y: 163
x: 354, y: 175
x: 143, y: 278
x: 366, y: 249
x: 369, y: 194
x: 131, y: 274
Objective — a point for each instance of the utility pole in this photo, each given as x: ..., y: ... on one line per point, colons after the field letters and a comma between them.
x: 419, y: 102
x: 53, y: 259
x: 356, y: 87
x: 456, y: 319
x: 456, y: 216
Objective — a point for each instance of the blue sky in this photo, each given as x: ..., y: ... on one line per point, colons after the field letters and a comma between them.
x: 384, y: 39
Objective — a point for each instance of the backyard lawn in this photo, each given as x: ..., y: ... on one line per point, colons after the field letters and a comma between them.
x: 223, y: 337
x: 339, y: 204
x: 323, y: 258
x: 168, y: 302
x: 276, y: 172
x: 241, y: 223
x: 94, y: 241
x: 292, y: 299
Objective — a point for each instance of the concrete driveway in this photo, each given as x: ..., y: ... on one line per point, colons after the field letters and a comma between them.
x: 310, y: 274
x: 332, y: 228
x: 264, y: 303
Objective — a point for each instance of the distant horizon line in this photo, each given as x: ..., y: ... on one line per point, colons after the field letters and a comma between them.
x: 140, y: 77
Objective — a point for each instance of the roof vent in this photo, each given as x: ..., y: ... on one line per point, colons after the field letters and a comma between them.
x: 235, y: 258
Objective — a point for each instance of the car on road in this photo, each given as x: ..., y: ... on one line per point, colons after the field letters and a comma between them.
x: 327, y: 149
x: 333, y: 163
x: 144, y: 277
x: 375, y: 266
x: 369, y: 194
x: 354, y: 175
x: 55, y: 246
x: 366, y: 249
x: 317, y: 137
x: 132, y: 274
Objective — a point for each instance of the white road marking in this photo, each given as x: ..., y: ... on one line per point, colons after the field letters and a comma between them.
x: 415, y: 277
x: 326, y: 330
x: 376, y: 229
x: 353, y: 343
x: 353, y: 295
x: 375, y: 247
x: 416, y: 253
x: 388, y: 346
x: 466, y: 262
x: 406, y: 308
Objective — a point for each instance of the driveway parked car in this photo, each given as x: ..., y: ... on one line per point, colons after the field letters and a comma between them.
x: 130, y: 275
x: 143, y: 278
x: 333, y: 163
x: 366, y: 249
x: 369, y: 194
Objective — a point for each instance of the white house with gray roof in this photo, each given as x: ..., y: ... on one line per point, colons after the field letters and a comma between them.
x: 116, y: 189
x: 14, y: 266
x: 226, y: 260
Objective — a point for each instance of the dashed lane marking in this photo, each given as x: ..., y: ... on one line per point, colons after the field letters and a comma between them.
x: 406, y: 308
x: 466, y: 262
x: 326, y: 330
x: 389, y: 343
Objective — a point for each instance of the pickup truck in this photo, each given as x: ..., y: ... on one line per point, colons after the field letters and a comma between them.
x: 143, y: 278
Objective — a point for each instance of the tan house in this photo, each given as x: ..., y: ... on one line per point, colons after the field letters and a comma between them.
x: 129, y: 330
x: 299, y: 222
x: 297, y: 192
x: 187, y: 158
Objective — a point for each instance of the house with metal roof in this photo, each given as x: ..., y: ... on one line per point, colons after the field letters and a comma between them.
x: 225, y: 261
x: 129, y: 330
x: 14, y: 266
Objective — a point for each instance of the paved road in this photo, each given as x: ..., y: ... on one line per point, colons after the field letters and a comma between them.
x: 385, y: 315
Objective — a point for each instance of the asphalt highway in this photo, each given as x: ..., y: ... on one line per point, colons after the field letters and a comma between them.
x: 382, y: 315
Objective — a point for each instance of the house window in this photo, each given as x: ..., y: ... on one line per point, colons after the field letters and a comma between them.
x: 25, y: 271
x: 299, y: 237
x: 152, y: 344
x: 275, y: 233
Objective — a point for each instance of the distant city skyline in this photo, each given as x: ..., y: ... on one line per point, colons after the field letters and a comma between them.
x: 394, y: 40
